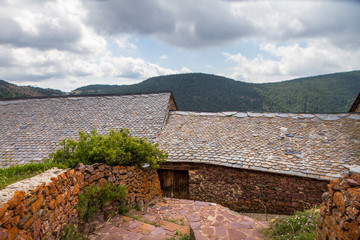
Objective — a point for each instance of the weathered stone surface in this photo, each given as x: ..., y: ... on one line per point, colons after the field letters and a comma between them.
x: 340, y: 211
x: 16, y: 199
x: 168, y: 216
x: 42, y: 212
x: 310, y: 147
x: 248, y: 191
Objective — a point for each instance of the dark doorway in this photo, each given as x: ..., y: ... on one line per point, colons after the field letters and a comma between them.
x: 174, y: 183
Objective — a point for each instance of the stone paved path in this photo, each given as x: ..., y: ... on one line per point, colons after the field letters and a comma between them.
x: 170, y: 218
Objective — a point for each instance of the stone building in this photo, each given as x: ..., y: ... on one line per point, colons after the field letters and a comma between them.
x: 252, y: 162
x: 257, y: 161
x: 30, y: 129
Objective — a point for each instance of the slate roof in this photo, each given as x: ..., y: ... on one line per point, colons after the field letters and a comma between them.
x: 30, y: 129
x: 315, y: 145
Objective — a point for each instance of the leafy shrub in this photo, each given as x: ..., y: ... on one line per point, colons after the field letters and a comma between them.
x: 301, y: 225
x: 116, y: 148
x: 94, y: 198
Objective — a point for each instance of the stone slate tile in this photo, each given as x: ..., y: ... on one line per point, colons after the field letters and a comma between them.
x: 28, y: 125
x: 316, y: 146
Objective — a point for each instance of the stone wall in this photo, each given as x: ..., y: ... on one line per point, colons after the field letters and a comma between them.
x: 340, y: 211
x: 42, y: 212
x: 252, y: 191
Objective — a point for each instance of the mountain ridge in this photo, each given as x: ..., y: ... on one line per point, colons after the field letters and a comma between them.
x: 326, y: 93
x: 206, y: 92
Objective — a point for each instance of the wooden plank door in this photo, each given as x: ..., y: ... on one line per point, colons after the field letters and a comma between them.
x: 174, y: 183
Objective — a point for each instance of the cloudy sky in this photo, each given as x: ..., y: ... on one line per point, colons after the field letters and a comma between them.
x: 66, y: 44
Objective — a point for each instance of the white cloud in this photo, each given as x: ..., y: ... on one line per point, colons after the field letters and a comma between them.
x: 70, y: 43
x: 292, y: 61
x: 185, y: 70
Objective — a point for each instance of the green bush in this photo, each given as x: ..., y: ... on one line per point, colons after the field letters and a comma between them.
x: 301, y: 225
x: 116, y: 148
x: 94, y: 198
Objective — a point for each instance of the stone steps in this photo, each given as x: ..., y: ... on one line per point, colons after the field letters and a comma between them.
x: 137, y: 226
x: 171, y: 218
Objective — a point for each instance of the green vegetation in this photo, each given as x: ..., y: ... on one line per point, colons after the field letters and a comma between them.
x: 180, y: 236
x: 144, y: 220
x: 17, y: 173
x: 70, y: 233
x: 94, y: 198
x: 116, y: 148
x: 301, y: 225
x: 204, y: 92
x: 8, y: 90
x: 176, y: 221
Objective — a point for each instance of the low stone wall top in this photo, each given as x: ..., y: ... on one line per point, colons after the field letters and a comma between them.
x: 340, y: 211
x: 42, y: 212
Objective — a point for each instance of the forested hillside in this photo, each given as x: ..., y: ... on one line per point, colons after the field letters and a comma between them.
x: 325, y: 93
x: 8, y: 90
x: 203, y: 92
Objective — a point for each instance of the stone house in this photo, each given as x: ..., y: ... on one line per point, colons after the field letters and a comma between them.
x: 257, y: 161
x: 252, y: 162
x: 32, y: 128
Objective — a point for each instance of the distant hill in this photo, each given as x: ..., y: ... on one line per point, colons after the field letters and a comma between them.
x: 8, y: 90
x: 204, y: 92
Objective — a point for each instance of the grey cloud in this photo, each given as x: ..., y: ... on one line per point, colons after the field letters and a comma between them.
x: 184, y: 23
x: 142, y: 17
x: 48, y: 37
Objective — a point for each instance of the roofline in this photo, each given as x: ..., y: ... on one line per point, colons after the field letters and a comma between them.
x: 262, y: 112
x: 355, y: 104
x: 294, y: 174
x: 88, y: 95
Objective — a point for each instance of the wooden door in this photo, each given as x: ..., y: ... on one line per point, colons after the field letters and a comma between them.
x: 174, y: 183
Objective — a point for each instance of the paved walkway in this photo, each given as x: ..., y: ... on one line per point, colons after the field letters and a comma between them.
x: 172, y: 218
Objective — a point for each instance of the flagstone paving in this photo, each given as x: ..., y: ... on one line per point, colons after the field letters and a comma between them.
x: 171, y: 218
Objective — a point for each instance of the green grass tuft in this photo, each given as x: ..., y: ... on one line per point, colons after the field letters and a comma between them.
x: 17, y: 173
x: 301, y: 225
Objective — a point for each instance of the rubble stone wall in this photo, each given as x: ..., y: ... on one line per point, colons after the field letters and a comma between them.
x: 340, y: 211
x: 253, y: 191
x: 42, y: 212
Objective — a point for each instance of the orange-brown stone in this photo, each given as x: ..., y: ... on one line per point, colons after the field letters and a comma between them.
x: 339, y: 202
x: 15, y: 220
x: 3, y: 209
x: 75, y: 189
x: 5, y: 218
x: 36, y: 228
x: 14, y: 231
x: 52, y: 204
x: 96, y: 177
x: 63, y: 176
x: 70, y: 173
x: 79, y: 177
x: 16, y: 199
x: 20, y: 209
x: 102, y: 182
x: 60, y: 199
x: 29, y: 222
x: 354, y: 230
x: 37, y: 205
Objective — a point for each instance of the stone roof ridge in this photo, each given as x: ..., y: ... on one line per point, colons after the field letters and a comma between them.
x: 74, y: 97
x: 321, y: 116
